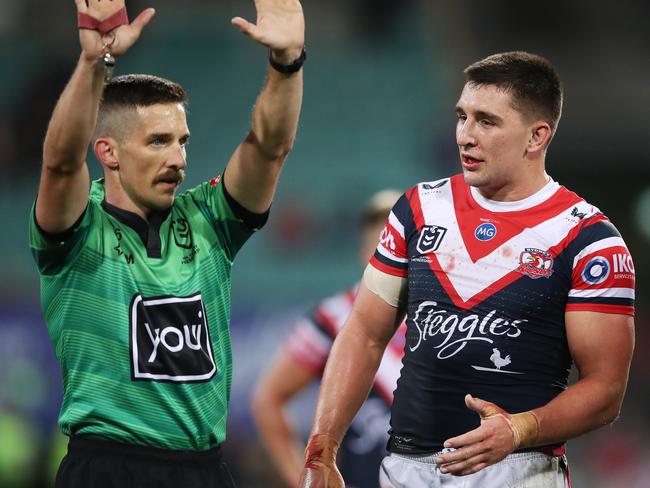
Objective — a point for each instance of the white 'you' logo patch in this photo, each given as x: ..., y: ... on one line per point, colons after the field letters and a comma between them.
x: 170, y: 340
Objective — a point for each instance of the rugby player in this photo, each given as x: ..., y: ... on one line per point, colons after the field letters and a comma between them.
x: 507, y: 278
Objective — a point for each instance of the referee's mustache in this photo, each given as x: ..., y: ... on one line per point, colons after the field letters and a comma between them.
x: 172, y: 176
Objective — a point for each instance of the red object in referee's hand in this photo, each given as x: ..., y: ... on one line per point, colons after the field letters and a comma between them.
x: 105, y: 17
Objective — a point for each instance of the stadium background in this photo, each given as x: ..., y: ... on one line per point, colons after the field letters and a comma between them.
x: 380, y: 86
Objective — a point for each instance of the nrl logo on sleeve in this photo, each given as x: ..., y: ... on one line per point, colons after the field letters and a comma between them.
x: 535, y: 263
x: 430, y: 238
x: 170, y: 340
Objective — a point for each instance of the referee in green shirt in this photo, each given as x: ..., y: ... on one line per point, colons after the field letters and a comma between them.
x: 135, y: 280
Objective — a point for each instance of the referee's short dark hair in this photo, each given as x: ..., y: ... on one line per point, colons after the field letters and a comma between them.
x: 532, y: 81
x: 141, y: 91
x: 123, y: 94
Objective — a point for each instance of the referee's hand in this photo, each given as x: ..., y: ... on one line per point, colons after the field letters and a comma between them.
x: 117, y: 41
x: 280, y: 27
x: 320, y: 469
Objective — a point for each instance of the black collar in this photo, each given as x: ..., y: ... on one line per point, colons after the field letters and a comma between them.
x: 149, y: 232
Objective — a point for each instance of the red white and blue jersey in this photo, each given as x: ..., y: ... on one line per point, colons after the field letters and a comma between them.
x: 488, y: 287
x: 364, y: 445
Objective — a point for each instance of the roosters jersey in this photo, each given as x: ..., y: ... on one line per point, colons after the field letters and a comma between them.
x: 364, y: 445
x: 488, y: 286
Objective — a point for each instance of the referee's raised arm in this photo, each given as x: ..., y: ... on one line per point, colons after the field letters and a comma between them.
x: 253, y: 170
x: 64, y: 185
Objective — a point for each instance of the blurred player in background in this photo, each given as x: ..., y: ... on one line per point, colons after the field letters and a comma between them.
x: 301, y: 362
x: 135, y: 280
x: 506, y: 278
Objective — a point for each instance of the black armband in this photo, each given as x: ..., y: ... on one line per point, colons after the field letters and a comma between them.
x: 288, y: 69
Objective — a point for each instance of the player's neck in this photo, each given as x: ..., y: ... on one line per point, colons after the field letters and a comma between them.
x: 517, y: 190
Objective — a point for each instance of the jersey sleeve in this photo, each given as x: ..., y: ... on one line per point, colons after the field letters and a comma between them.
x: 313, y: 336
x: 54, y: 253
x: 310, y: 344
x: 391, y: 255
x: 602, y: 277
x: 232, y: 222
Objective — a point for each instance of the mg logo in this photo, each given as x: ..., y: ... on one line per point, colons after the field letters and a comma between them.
x: 430, y: 238
x: 485, y: 232
x: 170, y: 340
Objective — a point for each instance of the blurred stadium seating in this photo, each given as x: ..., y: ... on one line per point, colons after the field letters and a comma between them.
x: 380, y: 84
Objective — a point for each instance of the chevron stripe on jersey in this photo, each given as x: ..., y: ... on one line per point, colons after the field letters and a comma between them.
x: 470, y: 269
x: 489, y: 284
x: 312, y: 340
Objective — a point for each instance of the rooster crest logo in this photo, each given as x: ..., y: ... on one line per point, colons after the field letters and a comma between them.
x: 497, y: 360
x: 536, y: 263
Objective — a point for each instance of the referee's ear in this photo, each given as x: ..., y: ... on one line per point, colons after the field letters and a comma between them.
x: 105, y: 149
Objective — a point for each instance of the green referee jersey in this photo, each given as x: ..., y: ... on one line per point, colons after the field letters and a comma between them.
x: 139, y: 316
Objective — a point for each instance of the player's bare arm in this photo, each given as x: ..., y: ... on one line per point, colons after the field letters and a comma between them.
x: 65, y: 182
x: 280, y: 383
x: 348, y: 376
x: 252, y: 172
x: 601, y: 346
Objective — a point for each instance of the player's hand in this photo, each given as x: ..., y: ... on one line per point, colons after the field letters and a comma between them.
x: 499, y: 434
x: 320, y: 469
x: 280, y: 26
x: 117, y: 41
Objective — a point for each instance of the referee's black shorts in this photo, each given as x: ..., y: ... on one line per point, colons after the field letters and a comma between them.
x: 92, y: 463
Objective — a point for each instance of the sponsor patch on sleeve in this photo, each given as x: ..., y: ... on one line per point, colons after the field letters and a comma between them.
x: 603, y: 279
x: 391, y: 255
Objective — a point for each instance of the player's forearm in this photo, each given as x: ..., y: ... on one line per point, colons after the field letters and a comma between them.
x: 279, y: 439
x: 276, y: 113
x: 349, y: 374
x: 586, y: 405
x: 74, y: 119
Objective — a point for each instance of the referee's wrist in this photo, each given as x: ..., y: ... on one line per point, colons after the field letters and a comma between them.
x: 286, y: 56
x: 287, y: 61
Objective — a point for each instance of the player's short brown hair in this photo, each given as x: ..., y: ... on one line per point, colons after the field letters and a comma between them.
x: 532, y: 81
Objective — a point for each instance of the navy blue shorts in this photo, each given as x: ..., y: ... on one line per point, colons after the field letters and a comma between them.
x: 105, y: 464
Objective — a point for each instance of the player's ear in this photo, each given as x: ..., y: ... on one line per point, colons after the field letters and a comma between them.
x: 106, y: 151
x: 539, y: 137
